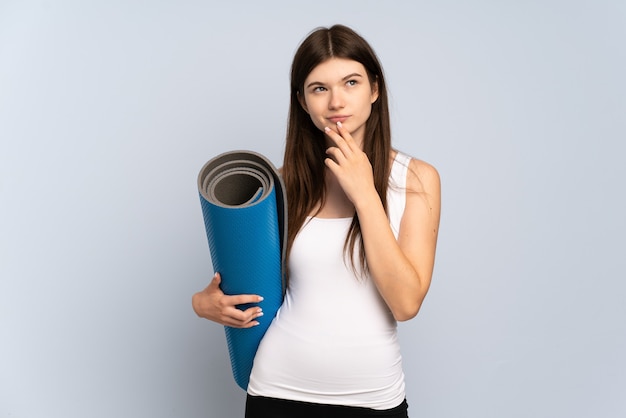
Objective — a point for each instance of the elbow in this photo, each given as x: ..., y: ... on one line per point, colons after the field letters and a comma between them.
x: 408, y: 307
x: 195, y: 303
x: 407, y: 312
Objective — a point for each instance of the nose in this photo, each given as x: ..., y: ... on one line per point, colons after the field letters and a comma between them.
x: 336, y: 100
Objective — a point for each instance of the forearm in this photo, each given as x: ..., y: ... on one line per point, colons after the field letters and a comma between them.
x: 397, y: 280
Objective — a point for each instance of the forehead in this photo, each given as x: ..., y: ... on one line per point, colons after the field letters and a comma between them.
x: 335, y: 69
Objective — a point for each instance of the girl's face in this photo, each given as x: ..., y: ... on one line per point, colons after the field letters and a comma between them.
x: 339, y: 90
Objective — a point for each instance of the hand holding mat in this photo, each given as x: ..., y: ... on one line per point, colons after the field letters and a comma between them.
x: 244, y: 208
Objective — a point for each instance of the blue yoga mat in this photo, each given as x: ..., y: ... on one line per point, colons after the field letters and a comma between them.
x: 244, y: 208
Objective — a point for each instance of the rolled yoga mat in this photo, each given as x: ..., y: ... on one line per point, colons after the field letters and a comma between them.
x: 245, y: 215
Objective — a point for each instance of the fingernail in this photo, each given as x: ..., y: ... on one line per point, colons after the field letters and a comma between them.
x: 259, y: 314
x: 255, y: 323
x: 260, y: 298
x: 326, y: 129
x: 339, y: 124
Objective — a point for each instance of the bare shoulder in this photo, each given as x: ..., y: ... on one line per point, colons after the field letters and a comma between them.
x: 423, y: 205
x: 423, y: 177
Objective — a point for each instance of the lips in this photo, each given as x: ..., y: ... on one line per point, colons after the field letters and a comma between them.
x: 338, y: 118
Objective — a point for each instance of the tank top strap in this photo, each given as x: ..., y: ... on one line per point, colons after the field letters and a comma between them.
x: 396, y: 192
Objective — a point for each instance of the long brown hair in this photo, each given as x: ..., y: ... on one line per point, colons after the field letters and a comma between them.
x: 305, y: 149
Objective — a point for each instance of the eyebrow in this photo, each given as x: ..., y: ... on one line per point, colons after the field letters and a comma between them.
x: 319, y: 83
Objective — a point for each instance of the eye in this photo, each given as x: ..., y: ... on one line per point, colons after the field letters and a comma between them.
x: 352, y: 83
x: 318, y: 89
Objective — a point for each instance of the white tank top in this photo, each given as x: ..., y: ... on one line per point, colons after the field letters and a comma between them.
x: 333, y: 340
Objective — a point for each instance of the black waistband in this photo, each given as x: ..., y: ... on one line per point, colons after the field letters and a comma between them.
x: 263, y: 407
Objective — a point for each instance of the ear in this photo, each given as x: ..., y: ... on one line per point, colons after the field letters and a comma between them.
x: 374, y: 95
x: 302, y: 102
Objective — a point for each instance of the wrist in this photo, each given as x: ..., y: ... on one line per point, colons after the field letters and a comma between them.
x: 367, y: 201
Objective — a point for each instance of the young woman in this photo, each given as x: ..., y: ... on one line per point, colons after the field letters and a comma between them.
x: 362, y: 230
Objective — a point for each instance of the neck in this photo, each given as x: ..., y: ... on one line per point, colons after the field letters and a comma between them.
x: 337, y: 204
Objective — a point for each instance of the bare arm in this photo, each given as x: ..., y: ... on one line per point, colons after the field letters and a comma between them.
x: 402, y: 268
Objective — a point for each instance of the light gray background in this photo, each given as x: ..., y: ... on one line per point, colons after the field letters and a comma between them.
x: 108, y: 109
